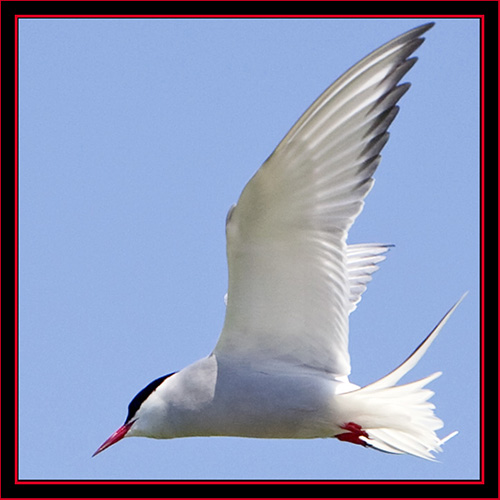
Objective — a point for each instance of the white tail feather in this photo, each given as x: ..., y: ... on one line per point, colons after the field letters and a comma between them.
x: 399, y: 418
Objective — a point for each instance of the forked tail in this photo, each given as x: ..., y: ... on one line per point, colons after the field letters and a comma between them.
x: 397, y: 418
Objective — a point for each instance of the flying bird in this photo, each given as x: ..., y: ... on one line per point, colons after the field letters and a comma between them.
x: 281, y: 366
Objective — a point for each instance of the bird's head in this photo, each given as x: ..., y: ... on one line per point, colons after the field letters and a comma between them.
x: 133, y: 416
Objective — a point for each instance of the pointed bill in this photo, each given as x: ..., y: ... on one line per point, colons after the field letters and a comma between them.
x: 114, y: 438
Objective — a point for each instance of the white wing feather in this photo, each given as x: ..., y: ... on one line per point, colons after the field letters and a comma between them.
x: 292, y: 282
x: 362, y: 262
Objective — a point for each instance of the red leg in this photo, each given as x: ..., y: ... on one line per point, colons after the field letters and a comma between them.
x: 353, y: 434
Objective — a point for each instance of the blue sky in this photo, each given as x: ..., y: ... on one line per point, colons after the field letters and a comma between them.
x: 136, y: 136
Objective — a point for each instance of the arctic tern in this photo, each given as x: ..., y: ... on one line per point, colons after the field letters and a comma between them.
x: 281, y: 365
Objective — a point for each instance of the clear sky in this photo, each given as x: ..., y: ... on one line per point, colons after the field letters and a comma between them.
x: 136, y: 136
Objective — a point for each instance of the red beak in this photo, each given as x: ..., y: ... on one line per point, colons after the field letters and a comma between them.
x: 115, y: 437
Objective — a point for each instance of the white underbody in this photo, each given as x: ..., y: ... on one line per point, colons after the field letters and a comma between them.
x: 222, y: 397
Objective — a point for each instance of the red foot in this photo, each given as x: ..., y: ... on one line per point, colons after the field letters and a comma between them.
x: 353, y: 436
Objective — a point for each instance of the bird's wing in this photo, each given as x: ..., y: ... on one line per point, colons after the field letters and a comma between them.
x: 361, y: 263
x: 289, y: 291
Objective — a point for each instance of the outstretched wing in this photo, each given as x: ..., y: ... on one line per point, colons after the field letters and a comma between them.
x: 290, y: 284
